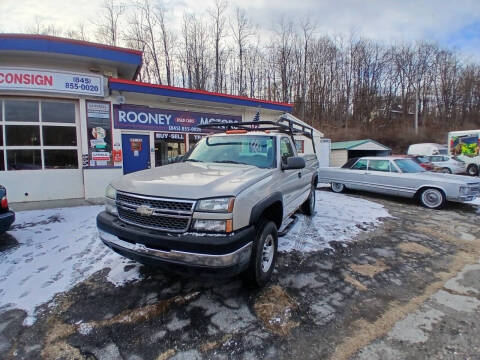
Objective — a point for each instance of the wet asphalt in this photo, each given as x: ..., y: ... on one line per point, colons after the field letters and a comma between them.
x: 409, y: 289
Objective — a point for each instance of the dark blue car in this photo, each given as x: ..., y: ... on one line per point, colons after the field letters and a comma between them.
x: 7, y: 216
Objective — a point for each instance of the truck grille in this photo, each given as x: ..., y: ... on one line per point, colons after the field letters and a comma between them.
x: 171, y: 215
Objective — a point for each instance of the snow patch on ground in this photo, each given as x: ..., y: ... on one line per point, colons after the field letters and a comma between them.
x: 58, y: 248
x: 338, y: 218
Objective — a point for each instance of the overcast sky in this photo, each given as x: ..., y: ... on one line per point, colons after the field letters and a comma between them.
x: 452, y: 23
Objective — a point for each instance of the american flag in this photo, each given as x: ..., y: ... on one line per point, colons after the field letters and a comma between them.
x: 256, y: 118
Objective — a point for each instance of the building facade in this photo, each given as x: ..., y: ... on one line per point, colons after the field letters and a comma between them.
x: 73, y: 117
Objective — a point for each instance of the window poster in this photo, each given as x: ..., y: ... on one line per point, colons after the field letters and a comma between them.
x: 99, y: 128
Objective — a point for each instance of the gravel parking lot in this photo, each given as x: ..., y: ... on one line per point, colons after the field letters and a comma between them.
x: 381, y: 279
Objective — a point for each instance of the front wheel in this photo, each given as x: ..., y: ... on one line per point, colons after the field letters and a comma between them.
x: 264, y: 254
x: 308, y: 207
x: 472, y: 170
x: 432, y: 198
x: 337, y: 187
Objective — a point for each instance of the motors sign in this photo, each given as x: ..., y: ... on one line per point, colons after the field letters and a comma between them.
x: 51, y: 81
x: 144, y: 118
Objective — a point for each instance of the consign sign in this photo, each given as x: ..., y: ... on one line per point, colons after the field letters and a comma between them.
x: 50, y: 81
x: 145, y: 118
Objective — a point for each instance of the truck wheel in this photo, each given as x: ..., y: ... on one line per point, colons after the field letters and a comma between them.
x: 308, y: 207
x: 337, y: 187
x: 264, y: 254
x: 472, y: 170
x: 432, y: 198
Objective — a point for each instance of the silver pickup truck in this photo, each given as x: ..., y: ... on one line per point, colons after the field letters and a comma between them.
x: 220, y: 209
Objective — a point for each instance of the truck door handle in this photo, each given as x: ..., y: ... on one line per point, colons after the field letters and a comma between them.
x: 299, y: 174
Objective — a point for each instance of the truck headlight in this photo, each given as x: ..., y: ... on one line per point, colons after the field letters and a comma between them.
x: 110, y: 198
x: 207, y: 225
x: 224, y: 204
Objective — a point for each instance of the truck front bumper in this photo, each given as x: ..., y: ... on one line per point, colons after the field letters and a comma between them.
x: 188, y: 252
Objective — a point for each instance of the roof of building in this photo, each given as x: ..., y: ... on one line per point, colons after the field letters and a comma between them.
x: 127, y: 61
x: 352, y: 144
x: 191, y: 94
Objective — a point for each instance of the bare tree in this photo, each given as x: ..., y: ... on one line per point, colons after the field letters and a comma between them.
x: 218, y: 17
x: 241, y: 31
x: 107, y: 29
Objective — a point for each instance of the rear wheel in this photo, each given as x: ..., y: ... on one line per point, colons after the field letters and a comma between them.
x: 264, y: 254
x: 308, y: 207
x: 446, y: 171
x: 337, y: 187
x: 432, y: 198
x: 472, y: 170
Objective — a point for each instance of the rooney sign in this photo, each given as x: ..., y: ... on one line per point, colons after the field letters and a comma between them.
x: 145, y: 118
x: 50, y: 81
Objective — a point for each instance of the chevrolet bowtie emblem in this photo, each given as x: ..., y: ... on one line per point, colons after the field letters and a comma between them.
x: 144, y: 210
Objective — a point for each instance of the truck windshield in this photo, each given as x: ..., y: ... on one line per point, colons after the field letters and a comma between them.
x: 241, y: 149
x: 409, y: 166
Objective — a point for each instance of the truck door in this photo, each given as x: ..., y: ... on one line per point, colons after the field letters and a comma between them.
x: 291, y: 184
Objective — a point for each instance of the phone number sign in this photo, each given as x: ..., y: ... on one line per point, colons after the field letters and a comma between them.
x: 51, y: 81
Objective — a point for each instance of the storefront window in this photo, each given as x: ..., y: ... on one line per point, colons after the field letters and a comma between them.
x: 58, y: 112
x: 59, y: 135
x: 22, y: 135
x: 61, y: 159
x: 24, y: 159
x: 21, y: 110
x: 27, y: 124
x: 194, y: 138
x: 169, y: 148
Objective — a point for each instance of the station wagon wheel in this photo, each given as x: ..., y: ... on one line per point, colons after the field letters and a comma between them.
x: 337, y: 187
x: 472, y: 170
x: 432, y: 198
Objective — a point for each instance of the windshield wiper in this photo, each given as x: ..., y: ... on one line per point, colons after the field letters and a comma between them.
x: 194, y: 160
x: 230, y: 162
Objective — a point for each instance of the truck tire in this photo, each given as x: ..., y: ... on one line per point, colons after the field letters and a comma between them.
x: 472, y: 170
x: 308, y: 207
x: 264, y: 254
x: 432, y: 198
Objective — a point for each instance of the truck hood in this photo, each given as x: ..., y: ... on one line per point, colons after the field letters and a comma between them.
x: 189, y: 180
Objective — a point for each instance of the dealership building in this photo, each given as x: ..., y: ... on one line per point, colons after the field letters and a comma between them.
x: 73, y: 117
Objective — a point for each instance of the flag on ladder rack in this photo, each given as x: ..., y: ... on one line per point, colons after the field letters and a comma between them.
x: 256, y: 118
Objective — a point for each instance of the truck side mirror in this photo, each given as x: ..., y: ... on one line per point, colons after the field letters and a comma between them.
x: 294, y: 162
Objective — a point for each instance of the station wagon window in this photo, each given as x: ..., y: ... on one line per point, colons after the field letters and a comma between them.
x: 286, y: 149
x: 38, y: 134
x: 437, y: 158
x: 393, y: 168
x: 360, y: 165
x: 379, y: 165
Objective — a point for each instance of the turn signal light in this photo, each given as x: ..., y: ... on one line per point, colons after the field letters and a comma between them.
x: 229, y: 226
x: 4, y: 203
